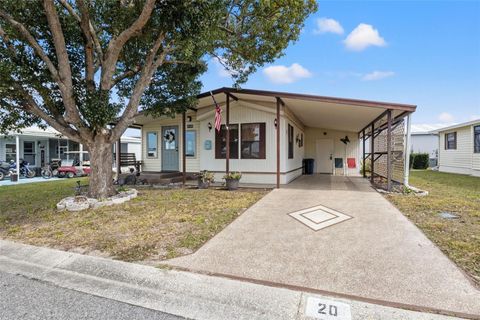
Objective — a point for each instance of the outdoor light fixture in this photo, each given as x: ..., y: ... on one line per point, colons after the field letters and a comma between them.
x: 189, y: 118
x: 210, y: 126
x: 275, y: 122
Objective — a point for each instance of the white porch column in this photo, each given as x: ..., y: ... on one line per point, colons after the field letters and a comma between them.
x: 80, y: 156
x: 17, y: 154
x: 406, y: 174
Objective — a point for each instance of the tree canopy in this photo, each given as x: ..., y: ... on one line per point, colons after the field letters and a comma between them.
x: 80, y: 65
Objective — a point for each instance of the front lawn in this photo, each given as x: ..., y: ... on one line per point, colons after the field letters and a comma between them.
x: 457, y: 194
x: 157, y: 225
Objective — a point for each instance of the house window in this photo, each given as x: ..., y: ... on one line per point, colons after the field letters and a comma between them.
x: 450, y: 140
x: 253, y: 141
x: 191, y: 143
x: 152, y: 144
x: 476, y: 139
x: 221, y: 142
x: 10, y: 152
x: 290, y: 142
x: 29, y: 152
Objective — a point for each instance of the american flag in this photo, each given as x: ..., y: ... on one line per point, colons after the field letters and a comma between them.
x: 218, y: 114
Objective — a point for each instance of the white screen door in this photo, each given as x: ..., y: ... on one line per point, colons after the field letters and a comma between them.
x: 324, y: 158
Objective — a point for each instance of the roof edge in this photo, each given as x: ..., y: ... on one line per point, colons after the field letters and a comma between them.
x: 310, y: 97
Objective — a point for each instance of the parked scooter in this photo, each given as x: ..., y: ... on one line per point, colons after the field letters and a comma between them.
x: 4, y: 169
x: 24, y: 169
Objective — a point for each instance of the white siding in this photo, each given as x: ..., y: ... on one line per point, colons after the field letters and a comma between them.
x: 463, y: 159
x: 291, y: 167
x: 2, y: 149
x: 352, y: 149
x: 135, y: 148
x: 155, y: 164
x: 425, y: 143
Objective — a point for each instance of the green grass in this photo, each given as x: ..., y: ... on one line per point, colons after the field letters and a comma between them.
x: 458, y: 194
x: 157, y: 225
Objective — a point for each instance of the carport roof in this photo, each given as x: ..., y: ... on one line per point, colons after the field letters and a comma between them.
x: 313, y: 110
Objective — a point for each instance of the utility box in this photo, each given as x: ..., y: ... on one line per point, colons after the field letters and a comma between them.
x: 308, y: 166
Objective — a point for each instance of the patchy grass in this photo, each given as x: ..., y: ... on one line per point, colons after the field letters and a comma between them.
x: 157, y: 225
x: 458, y: 194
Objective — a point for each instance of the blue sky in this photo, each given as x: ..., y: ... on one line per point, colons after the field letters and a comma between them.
x: 420, y: 52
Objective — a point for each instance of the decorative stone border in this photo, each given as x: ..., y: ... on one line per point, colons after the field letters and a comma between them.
x: 80, y: 203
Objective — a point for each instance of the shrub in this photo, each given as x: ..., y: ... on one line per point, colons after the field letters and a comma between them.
x: 419, y: 160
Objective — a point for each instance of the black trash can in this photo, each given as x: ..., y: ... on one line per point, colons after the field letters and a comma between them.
x: 308, y: 166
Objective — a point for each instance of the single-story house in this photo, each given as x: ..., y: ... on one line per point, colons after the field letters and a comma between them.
x: 271, y: 133
x: 460, y: 148
x: 426, y: 142
x: 38, y: 146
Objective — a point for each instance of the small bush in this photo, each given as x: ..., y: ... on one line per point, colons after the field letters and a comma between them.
x: 419, y: 160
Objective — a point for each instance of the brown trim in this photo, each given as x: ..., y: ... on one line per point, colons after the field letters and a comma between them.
x: 277, y: 119
x: 184, y: 147
x: 308, y: 97
x: 364, y: 172
x: 397, y: 305
x: 218, y: 145
x: 372, y: 152
x: 262, y: 142
x: 227, y: 127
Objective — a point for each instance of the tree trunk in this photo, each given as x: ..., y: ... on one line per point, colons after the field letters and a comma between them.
x: 101, y: 177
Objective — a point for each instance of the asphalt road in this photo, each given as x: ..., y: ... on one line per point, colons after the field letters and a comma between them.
x: 22, y: 298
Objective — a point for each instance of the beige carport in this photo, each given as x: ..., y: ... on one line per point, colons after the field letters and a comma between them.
x: 378, y: 124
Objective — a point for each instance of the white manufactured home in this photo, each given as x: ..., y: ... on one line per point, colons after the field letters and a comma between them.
x: 460, y: 148
x: 270, y: 134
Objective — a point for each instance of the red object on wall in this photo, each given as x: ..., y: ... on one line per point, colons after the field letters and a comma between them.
x: 351, y: 163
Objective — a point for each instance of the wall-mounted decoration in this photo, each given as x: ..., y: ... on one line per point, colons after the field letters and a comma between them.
x: 338, y: 163
x: 207, y: 145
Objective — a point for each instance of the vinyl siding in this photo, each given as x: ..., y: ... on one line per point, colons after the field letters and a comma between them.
x: 460, y: 158
x: 155, y: 164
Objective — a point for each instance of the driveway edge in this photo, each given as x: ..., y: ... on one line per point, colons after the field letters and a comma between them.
x: 187, y: 294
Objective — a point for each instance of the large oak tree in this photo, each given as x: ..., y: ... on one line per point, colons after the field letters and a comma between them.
x: 81, y: 65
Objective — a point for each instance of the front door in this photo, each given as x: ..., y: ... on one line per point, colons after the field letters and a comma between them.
x: 170, y: 148
x: 324, y: 159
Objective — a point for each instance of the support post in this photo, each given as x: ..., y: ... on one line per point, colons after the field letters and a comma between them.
x: 364, y: 158
x: 278, y: 141
x: 389, y: 150
x: 372, y: 153
x: 408, y: 147
x: 117, y: 158
x: 17, y: 155
x: 80, y: 156
x: 184, y: 147
x: 227, y: 127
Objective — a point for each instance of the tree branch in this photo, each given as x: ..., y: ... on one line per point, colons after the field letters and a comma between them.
x: 92, y: 30
x: 89, y: 59
x: 151, y: 64
x: 65, y: 73
x: 126, y: 74
x: 116, y: 45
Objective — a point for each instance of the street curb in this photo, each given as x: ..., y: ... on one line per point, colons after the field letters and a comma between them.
x: 186, y: 294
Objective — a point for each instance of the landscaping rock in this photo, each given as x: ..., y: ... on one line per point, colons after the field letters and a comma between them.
x: 80, y: 203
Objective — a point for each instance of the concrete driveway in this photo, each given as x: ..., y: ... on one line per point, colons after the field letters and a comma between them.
x: 337, y: 234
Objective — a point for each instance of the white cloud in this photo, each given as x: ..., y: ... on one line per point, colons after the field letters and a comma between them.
x: 377, y: 75
x: 363, y: 36
x: 221, y: 70
x: 283, y: 74
x: 446, y: 117
x: 326, y: 25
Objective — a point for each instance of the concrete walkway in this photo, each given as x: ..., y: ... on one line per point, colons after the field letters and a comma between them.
x: 378, y: 254
x: 189, y: 295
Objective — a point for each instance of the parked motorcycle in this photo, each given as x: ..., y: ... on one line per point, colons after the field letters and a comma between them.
x: 4, y: 170
x: 24, y: 169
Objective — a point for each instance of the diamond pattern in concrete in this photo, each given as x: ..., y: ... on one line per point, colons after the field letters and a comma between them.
x: 319, y: 217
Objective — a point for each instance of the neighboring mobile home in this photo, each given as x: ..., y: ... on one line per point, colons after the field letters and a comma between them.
x: 426, y: 142
x: 271, y: 133
x: 38, y: 146
x: 460, y: 148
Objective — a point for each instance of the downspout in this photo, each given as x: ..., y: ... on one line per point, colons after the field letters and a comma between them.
x: 408, y: 147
